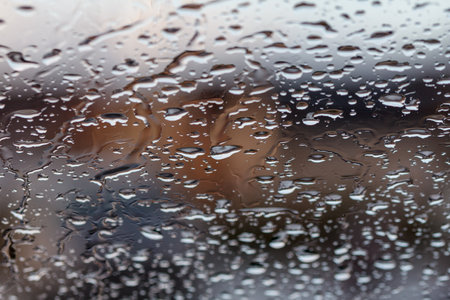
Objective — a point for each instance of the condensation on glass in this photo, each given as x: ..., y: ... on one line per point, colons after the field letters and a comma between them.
x: 224, y: 149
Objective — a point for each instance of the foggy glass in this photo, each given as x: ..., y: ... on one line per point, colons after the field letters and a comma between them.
x: 224, y: 149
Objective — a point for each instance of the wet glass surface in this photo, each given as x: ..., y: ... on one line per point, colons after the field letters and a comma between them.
x: 224, y: 149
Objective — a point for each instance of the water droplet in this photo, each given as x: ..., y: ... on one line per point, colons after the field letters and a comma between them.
x: 150, y: 233
x: 222, y: 152
x: 306, y: 256
x: 175, y: 114
x: 291, y: 73
x: 191, y: 152
x: 333, y: 199
x: 18, y: 63
x: 385, y: 264
x: 393, y: 100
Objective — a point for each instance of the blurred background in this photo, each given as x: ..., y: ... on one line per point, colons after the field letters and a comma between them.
x: 224, y: 149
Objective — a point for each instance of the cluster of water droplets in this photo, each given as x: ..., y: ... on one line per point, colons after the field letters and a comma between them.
x: 225, y: 150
